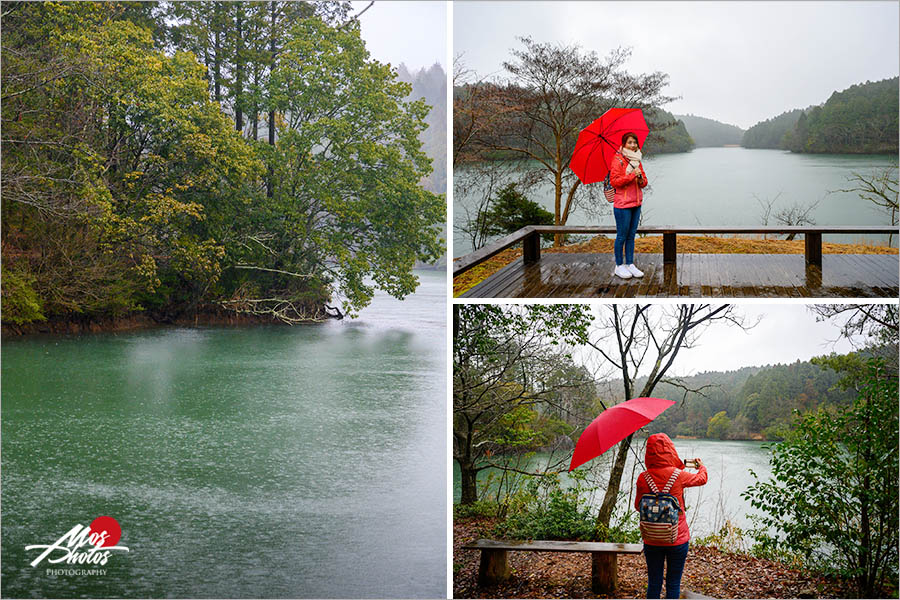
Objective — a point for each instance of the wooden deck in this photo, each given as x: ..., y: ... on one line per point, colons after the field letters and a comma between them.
x: 559, y: 275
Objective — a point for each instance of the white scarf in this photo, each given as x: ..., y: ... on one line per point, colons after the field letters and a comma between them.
x: 634, y: 160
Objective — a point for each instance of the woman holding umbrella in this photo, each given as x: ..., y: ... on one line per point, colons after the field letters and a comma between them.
x: 598, y: 154
x: 662, y: 460
x: 627, y: 176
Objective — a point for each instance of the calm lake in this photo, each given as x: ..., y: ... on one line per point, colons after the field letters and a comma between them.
x: 305, y: 461
x: 720, y: 186
x: 728, y: 464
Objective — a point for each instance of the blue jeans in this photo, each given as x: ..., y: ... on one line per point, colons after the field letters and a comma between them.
x: 655, y: 557
x: 626, y: 227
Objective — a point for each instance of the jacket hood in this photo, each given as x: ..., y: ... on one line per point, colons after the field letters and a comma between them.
x: 661, y: 452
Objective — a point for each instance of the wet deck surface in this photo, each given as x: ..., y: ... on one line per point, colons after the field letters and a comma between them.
x: 559, y: 275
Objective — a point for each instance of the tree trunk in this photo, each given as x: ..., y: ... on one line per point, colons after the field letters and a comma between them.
x: 239, y: 71
x: 271, y: 173
x: 569, y: 197
x: 217, y: 59
x: 255, y: 104
x: 557, y: 203
x: 615, y: 480
x: 468, y: 474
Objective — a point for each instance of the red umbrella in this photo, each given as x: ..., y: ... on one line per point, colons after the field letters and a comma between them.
x: 598, y: 142
x: 615, y: 424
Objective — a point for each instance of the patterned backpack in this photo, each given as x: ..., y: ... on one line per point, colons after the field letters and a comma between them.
x: 659, y: 512
x: 608, y: 190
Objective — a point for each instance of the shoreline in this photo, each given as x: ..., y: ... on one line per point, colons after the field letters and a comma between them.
x: 212, y: 316
x: 135, y: 322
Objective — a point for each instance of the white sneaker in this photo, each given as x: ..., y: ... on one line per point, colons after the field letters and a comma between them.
x: 623, y: 272
x: 634, y: 270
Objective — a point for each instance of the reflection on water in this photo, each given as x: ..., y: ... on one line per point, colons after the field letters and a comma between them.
x: 246, y: 462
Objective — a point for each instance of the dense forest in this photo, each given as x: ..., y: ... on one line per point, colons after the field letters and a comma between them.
x: 710, y: 133
x: 748, y: 403
x: 758, y: 402
x: 771, y: 132
x: 176, y: 159
x: 859, y: 120
x: 671, y: 137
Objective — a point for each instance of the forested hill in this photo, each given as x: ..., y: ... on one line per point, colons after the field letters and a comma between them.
x: 771, y: 132
x: 667, y: 133
x: 711, y: 133
x: 859, y: 120
x: 431, y: 84
x: 756, y: 401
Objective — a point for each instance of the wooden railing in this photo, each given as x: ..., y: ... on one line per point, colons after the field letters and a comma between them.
x: 530, y: 238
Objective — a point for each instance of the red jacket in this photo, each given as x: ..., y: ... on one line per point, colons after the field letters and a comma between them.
x: 661, y: 459
x: 629, y: 193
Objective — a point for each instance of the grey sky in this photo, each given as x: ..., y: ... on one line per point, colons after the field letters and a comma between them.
x: 736, y: 62
x: 414, y: 33
x: 785, y: 333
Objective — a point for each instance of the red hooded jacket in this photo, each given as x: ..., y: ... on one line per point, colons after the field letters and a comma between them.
x: 629, y: 193
x: 661, y: 459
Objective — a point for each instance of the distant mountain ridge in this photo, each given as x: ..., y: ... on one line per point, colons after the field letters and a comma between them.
x: 759, y: 400
x: 431, y: 84
x: 708, y: 133
x: 861, y: 119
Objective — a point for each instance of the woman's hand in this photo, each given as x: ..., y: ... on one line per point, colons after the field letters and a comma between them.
x: 698, y: 462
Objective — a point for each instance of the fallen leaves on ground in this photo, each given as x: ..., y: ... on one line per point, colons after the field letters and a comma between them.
x: 653, y: 245
x: 568, y: 574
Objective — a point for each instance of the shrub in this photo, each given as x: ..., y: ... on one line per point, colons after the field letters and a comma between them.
x: 544, y: 509
x: 21, y: 303
x: 512, y: 210
x: 480, y: 508
x: 557, y: 516
x: 730, y: 538
x: 833, y: 495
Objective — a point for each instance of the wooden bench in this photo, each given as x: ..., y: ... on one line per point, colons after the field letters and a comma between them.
x: 494, y: 568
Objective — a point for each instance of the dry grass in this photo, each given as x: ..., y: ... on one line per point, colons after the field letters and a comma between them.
x: 653, y: 245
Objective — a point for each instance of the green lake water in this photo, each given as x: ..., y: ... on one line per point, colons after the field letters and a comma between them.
x: 720, y: 186
x: 728, y: 466
x: 270, y: 461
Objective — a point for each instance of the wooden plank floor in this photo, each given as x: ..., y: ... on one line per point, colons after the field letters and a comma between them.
x: 559, y: 275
